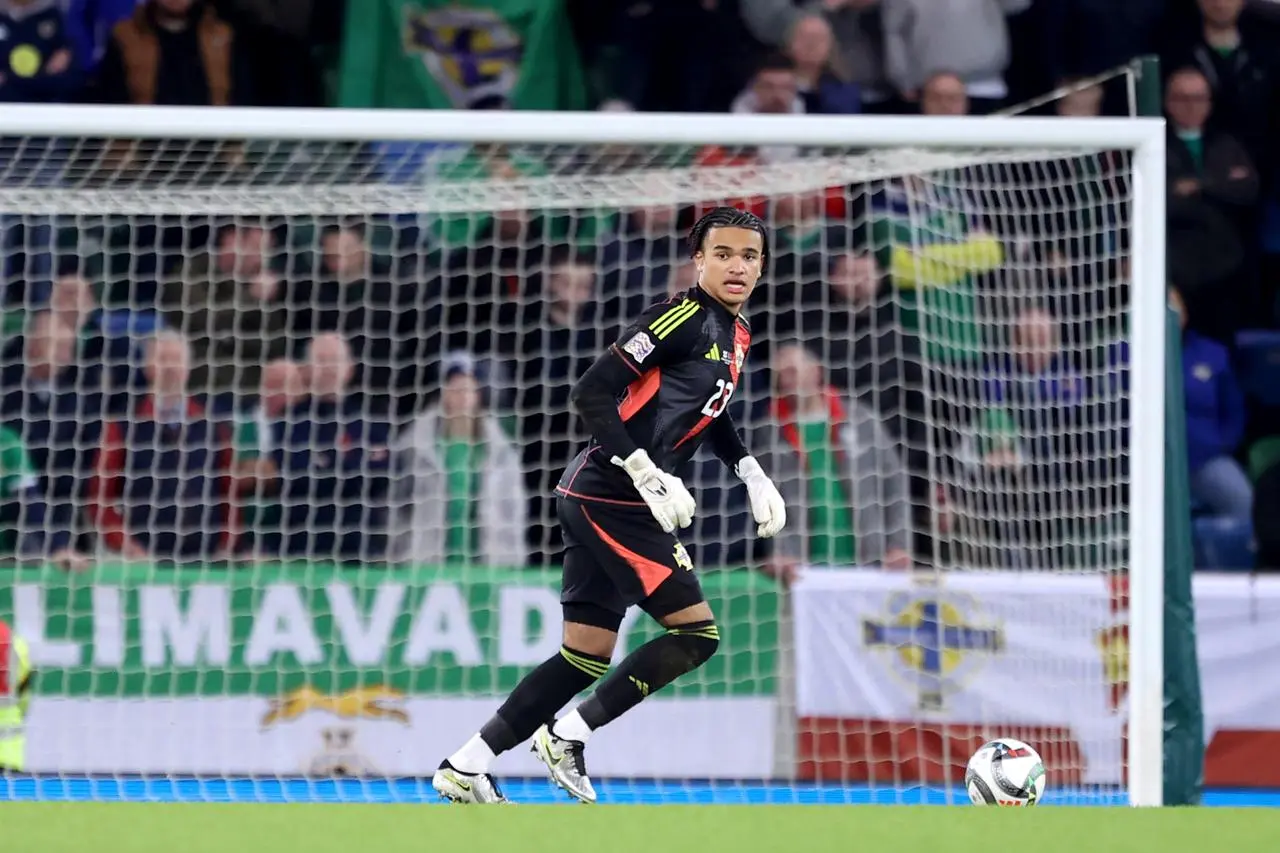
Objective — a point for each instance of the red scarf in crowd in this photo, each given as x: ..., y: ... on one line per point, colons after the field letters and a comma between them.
x: 785, y: 414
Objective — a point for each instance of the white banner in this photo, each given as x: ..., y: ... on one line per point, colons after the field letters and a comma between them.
x: 701, y: 738
x: 1021, y: 653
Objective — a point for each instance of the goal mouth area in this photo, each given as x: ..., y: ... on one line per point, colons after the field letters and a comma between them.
x: 128, y: 232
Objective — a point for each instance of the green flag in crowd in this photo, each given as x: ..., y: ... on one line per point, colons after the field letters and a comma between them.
x: 460, y: 54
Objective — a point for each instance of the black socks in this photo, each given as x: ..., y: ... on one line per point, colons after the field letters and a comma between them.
x: 540, y: 695
x: 649, y: 669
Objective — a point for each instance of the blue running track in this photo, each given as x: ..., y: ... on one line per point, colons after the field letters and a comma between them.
x: 272, y: 790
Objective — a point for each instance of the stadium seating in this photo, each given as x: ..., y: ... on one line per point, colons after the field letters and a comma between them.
x: 1223, y: 543
x: 1258, y: 363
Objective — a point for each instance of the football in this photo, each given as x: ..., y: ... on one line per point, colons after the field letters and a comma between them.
x: 1005, y: 772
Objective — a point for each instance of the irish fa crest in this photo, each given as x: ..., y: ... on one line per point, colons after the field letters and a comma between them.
x: 683, y: 560
x: 472, y: 54
x: 933, y: 640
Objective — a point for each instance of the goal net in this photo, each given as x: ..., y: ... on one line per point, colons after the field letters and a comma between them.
x: 291, y: 410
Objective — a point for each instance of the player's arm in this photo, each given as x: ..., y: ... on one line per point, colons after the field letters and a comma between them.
x: 595, y: 398
x: 663, y: 335
x: 767, y: 505
x: 725, y: 441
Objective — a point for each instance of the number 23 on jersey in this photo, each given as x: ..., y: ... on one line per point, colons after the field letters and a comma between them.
x: 719, y: 400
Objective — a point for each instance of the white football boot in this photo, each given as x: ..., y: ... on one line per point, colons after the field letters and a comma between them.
x: 565, y: 764
x: 458, y: 787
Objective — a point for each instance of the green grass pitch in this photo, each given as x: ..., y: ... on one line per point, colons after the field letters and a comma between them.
x: 342, y: 828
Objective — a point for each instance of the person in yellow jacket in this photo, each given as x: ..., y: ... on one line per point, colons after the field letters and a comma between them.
x: 16, y: 681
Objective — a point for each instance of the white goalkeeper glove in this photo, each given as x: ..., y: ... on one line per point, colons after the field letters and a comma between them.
x: 665, y: 494
x: 766, y: 503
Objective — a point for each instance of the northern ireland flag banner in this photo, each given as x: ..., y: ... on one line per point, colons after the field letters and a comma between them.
x: 898, y: 679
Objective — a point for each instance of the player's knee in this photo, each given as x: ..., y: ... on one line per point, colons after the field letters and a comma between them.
x: 591, y: 629
x: 697, y: 640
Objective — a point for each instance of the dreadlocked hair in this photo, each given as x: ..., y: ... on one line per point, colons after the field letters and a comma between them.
x: 726, y: 217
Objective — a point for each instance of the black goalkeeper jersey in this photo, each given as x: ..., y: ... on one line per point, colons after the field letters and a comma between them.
x: 671, y: 375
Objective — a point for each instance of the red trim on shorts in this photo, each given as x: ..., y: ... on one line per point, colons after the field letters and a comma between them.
x: 581, y: 465
x: 561, y: 490
x: 651, y: 573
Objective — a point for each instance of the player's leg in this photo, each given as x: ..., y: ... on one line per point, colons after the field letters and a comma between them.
x: 593, y: 609
x: 692, y: 637
x: 659, y: 564
x: 564, y: 758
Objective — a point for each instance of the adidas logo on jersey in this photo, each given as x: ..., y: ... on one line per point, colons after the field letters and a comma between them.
x: 715, y: 354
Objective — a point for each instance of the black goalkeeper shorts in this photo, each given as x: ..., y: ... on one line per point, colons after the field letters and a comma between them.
x: 616, y: 556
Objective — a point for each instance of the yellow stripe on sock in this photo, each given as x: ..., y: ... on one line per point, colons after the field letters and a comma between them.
x: 708, y: 632
x: 673, y: 319
x: 593, y: 668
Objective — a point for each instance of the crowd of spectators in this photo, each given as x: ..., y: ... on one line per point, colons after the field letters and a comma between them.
x: 939, y: 366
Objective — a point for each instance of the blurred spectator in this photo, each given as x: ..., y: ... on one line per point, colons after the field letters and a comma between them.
x: 354, y: 294
x: 466, y: 503
x: 968, y: 38
x: 559, y: 335
x: 335, y: 466
x: 283, y: 385
x: 1235, y: 53
x: 1212, y: 189
x: 855, y: 28
x: 162, y: 479
x: 22, y: 505
x: 90, y: 22
x: 837, y: 467
x: 799, y: 229
x: 944, y: 94
x: 774, y: 90
x: 851, y: 314
x: 229, y: 303
x: 1215, y: 424
x: 56, y: 421
x: 457, y: 234
x: 1029, y: 495
x: 821, y: 88
x: 932, y: 243
x: 636, y: 264
x: 178, y: 53
x: 41, y: 65
x: 107, y: 360
x: 72, y: 301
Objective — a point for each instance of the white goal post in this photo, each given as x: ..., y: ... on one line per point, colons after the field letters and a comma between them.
x: 884, y: 146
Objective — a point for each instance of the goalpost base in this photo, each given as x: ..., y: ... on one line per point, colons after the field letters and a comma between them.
x: 1184, y: 736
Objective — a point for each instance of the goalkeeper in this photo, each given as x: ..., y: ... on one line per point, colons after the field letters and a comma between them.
x: 675, y: 370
